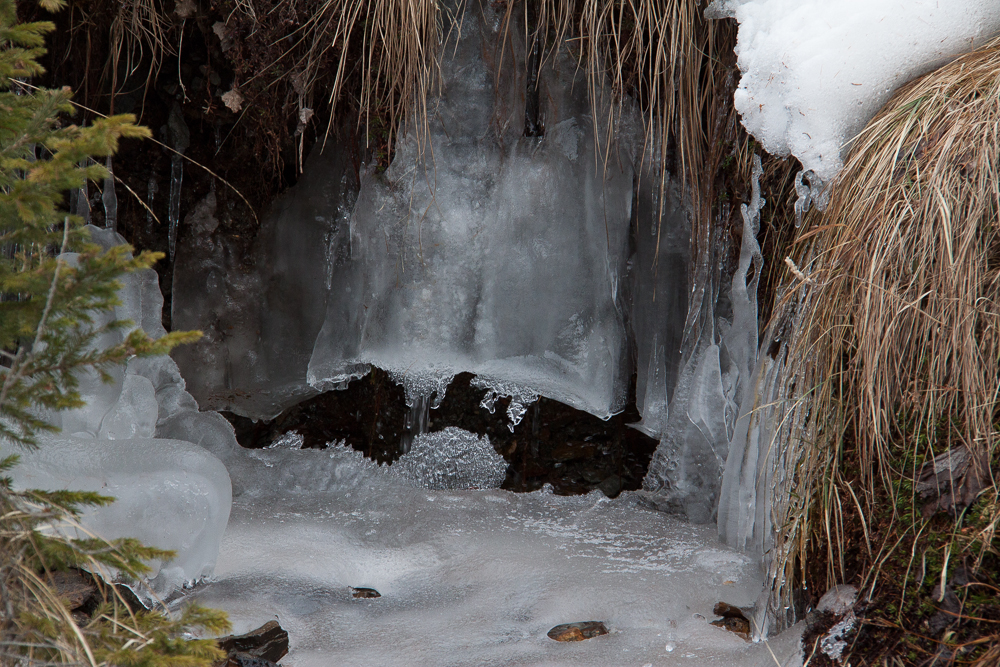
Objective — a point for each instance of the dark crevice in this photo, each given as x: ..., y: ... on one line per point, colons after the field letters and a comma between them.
x: 555, y: 444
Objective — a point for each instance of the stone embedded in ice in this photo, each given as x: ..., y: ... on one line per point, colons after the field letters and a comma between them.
x: 484, y: 251
x: 816, y: 71
x: 169, y: 494
x: 452, y: 459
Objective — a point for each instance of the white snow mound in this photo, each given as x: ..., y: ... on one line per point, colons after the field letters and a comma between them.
x: 816, y: 71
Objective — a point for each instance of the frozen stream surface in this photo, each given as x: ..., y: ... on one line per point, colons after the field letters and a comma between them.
x: 472, y: 577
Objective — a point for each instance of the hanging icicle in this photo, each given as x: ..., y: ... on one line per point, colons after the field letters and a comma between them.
x: 109, y: 198
x: 174, y: 203
x: 80, y: 199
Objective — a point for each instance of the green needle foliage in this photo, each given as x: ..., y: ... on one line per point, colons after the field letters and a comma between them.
x: 53, y: 286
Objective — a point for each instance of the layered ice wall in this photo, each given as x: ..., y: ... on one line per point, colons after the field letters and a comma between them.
x: 816, y: 71
x: 485, y: 251
x: 142, y: 440
x: 260, y: 317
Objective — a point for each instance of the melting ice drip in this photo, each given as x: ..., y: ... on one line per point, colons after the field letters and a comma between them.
x: 520, y: 398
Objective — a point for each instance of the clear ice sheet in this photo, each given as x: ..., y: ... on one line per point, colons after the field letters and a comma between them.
x: 471, y: 577
x: 661, y: 268
x: 260, y: 323
x: 484, y: 251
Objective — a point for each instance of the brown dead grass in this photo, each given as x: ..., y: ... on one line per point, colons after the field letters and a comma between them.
x: 895, y: 314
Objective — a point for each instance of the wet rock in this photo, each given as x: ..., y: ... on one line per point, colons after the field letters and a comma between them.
x: 577, y: 632
x: 838, y: 600
x: 611, y: 486
x: 73, y: 587
x: 258, y: 648
x: 739, y: 626
x: 365, y: 593
x: 247, y: 660
x: 733, y: 619
x: 953, y: 480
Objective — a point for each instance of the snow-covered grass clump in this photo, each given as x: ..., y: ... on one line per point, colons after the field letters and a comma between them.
x: 814, y: 72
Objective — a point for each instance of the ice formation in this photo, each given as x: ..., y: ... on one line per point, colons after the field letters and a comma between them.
x: 816, y: 71
x: 452, y: 459
x: 471, y: 577
x: 260, y: 319
x: 661, y: 270
x: 142, y: 440
x: 485, y: 251
x: 169, y: 494
x: 715, y: 358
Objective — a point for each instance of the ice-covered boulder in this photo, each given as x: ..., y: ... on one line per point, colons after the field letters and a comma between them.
x: 141, y: 439
x: 169, y: 494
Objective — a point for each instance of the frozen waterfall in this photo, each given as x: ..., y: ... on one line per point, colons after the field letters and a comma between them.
x: 486, y: 251
x: 549, y: 265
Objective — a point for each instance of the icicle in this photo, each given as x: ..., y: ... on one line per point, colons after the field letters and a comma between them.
x: 110, y: 199
x: 80, y: 204
x: 151, y: 189
x: 174, y: 202
x: 180, y: 136
x: 811, y: 190
x: 520, y: 398
x: 415, y: 422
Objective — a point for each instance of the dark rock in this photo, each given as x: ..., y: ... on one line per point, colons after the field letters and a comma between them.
x: 611, y: 486
x: 576, y: 632
x: 268, y: 642
x: 727, y: 610
x: 949, y: 606
x: 73, y: 587
x: 733, y: 619
x: 740, y: 626
x: 247, y: 660
x: 366, y: 593
x: 954, y: 480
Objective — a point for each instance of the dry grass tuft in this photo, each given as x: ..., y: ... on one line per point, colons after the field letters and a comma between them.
x: 399, y: 44
x: 897, y: 308
x: 662, y: 53
x: 138, y: 30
